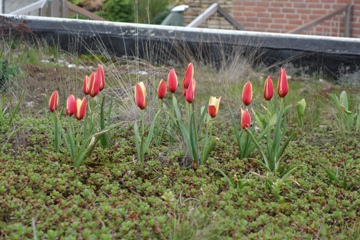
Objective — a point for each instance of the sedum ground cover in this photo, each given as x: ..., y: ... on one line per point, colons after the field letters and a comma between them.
x: 111, y: 196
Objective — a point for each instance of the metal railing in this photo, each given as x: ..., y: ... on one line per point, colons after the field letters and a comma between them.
x: 55, y: 8
x: 211, y: 11
x: 347, y: 29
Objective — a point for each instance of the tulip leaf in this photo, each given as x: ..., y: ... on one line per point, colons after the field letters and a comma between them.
x: 104, y: 140
x: 194, y: 139
x: 176, y: 107
x: 335, y: 100
x: 151, y: 131
x: 207, y: 148
x: 358, y: 118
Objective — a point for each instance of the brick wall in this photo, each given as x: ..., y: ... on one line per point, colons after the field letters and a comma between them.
x: 216, y: 21
x: 283, y: 15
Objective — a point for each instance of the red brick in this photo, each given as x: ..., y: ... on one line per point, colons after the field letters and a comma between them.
x: 300, y: 5
x: 288, y: 10
x: 260, y: 9
x: 249, y: 14
x: 292, y: 16
x: 319, y: 12
x: 262, y: 25
x: 296, y: 22
x: 277, y: 4
x: 274, y: 10
x: 303, y: 11
x: 263, y: 15
x: 263, y: 4
x: 265, y: 20
x: 315, y: 6
x: 251, y: 19
x: 280, y: 20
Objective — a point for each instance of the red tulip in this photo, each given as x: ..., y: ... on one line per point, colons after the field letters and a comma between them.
x: 245, y: 119
x: 86, y: 85
x: 54, y: 101
x: 80, y: 108
x: 247, y: 93
x: 162, y: 89
x: 268, y: 89
x: 189, y: 75
x: 94, y: 84
x: 214, y: 104
x: 191, y: 92
x: 101, y: 76
x: 283, y: 87
x: 140, y: 95
x: 70, y: 105
x: 172, y: 81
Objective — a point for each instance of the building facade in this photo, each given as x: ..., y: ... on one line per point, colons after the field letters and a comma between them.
x: 280, y: 16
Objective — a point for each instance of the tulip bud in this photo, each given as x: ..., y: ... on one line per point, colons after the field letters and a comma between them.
x: 247, y: 93
x: 268, y: 89
x: 283, y: 87
x: 140, y: 95
x: 162, y: 89
x: 300, y: 108
x: 94, y: 84
x: 191, y: 92
x: 54, y: 101
x: 172, y: 81
x: 101, y: 77
x: 189, y: 75
x: 80, y: 108
x: 70, y: 105
x: 245, y: 119
x: 86, y: 85
x: 214, y: 104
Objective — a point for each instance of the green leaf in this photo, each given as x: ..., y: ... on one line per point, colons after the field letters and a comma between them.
x: 207, y: 149
x: 176, y: 107
x: 228, y: 179
x: 194, y: 139
x: 104, y: 140
x: 332, y: 176
x: 151, y: 131
x: 335, y: 99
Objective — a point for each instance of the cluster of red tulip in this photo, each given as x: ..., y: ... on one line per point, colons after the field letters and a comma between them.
x: 188, y: 90
x: 77, y: 107
x: 176, y: 122
x: 282, y: 88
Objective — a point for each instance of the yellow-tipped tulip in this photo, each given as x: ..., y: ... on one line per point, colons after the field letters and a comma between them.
x: 172, y: 81
x: 245, y: 119
x: 101, y: 77
x: 54, y: 101
x: 140, y: 95
x: 80, y: 108
x: 162, y: 89
x: 214, y: 104
x: 94, y: 84
x: 86, y: 85
x: 247, y: 93
x: 283, y: 86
